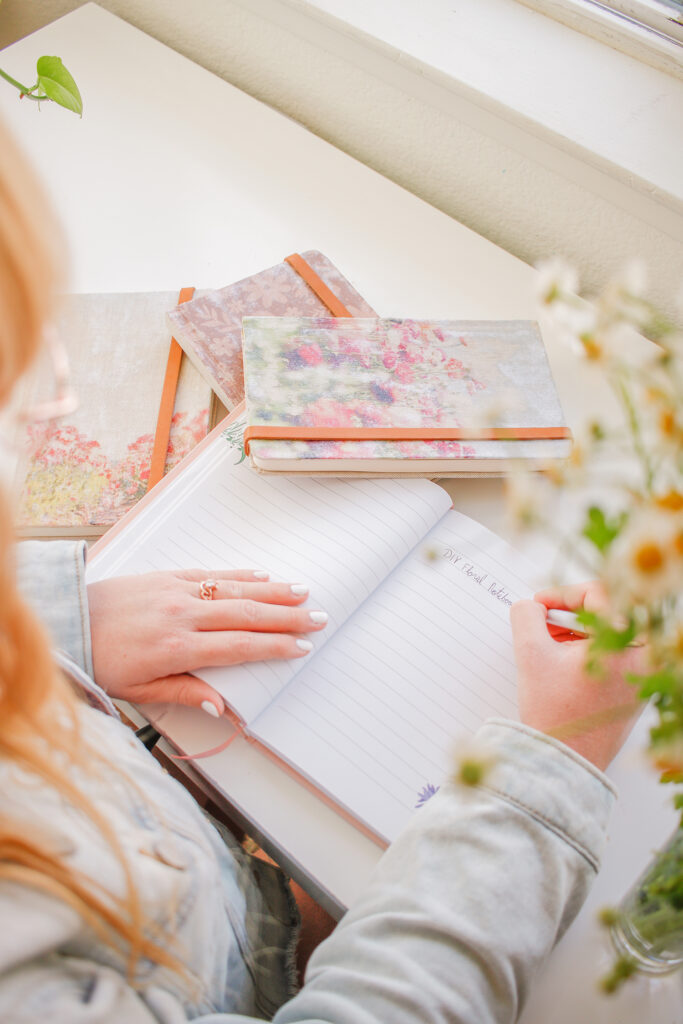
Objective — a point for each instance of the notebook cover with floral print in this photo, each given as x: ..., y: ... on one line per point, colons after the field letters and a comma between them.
x: 79, y: 474
x: 329, y: 372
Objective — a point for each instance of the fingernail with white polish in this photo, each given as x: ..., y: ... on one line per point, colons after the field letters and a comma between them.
x: 318, y: 617
x: 304, y: 645
x: 261, y: 574
x: 299, y: 589
x: 210, y: 709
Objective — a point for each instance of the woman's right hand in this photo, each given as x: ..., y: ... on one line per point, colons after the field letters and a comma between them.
x: 591, y: 714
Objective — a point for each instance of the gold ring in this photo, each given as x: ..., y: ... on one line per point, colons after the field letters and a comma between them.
x: 207, y: 588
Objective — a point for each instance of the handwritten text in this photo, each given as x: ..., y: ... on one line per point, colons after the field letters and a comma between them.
x: 478, y: 575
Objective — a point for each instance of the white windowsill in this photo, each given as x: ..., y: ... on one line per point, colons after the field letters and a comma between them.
x: 594, y: 114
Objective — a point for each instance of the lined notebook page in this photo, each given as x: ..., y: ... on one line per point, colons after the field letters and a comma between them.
x: 341, y: 538
x: 374, y: 719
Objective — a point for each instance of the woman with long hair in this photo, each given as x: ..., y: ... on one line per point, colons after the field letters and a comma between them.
x: 122, y: 904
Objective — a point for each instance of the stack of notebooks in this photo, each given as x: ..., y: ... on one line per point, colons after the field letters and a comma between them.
x: 330, y: 389
x: 79, y: 475
x: 350, y: 394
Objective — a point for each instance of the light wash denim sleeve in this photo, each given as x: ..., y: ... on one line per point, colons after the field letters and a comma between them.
x: 467, y: 903
x: 51, y: 577
x: 454, y: 924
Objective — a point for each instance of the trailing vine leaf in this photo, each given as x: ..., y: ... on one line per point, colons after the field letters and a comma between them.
x: 57, y: 84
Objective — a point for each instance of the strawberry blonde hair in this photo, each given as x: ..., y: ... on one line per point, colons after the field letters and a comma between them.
x: 33, y: 693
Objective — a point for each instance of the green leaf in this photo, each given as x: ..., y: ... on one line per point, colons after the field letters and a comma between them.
x: 622, y: 969
x: 604, y: 636
x: 664, y: 681
x: 58, y: 85
x: 608, y: 917
x: 600, y: 530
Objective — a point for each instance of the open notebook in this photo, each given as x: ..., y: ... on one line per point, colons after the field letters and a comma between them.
x: 418, y: 647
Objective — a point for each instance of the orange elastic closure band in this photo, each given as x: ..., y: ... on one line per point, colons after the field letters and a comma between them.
x: 317, y: 285
x: 284, y: 433
x: 167, y: 404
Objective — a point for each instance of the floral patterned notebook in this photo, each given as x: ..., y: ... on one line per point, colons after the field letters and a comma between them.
x: 405, y: 374
x: 78, y: 475
x: 209, y: 328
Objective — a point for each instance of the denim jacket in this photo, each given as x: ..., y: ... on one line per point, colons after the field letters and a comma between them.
x: 452, y: 926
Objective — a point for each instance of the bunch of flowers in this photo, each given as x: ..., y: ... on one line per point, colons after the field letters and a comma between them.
x: 630, y: 537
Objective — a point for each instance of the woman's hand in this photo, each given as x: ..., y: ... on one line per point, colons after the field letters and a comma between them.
x: 150, y: 631
x: 592, y: 714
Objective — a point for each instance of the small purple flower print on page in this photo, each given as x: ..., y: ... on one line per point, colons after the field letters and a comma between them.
x: 426, y: 793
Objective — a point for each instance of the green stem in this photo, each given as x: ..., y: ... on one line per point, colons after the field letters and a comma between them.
x: 13, y: 81
x: 632, y: 416
x: 23, y: 89
x: 658, y: 925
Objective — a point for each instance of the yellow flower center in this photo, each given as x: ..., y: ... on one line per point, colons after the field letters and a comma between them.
x: 648, y: 558
x: 592, y: 347
x: 667, y: 423
x: 672, y: 502
x: 576, y: 456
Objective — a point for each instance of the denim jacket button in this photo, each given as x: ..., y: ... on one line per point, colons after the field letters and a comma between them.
x: 167, y: 851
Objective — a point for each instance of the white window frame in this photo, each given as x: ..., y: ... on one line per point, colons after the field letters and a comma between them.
x: 656, y: 15
x: 646, y: 29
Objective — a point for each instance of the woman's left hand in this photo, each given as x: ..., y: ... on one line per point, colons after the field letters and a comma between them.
x: 149, y: 631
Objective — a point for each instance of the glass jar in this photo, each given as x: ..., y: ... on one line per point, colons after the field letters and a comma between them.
x: 649, y: 925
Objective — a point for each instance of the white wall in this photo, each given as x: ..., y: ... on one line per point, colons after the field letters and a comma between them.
x: 497, y: 178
